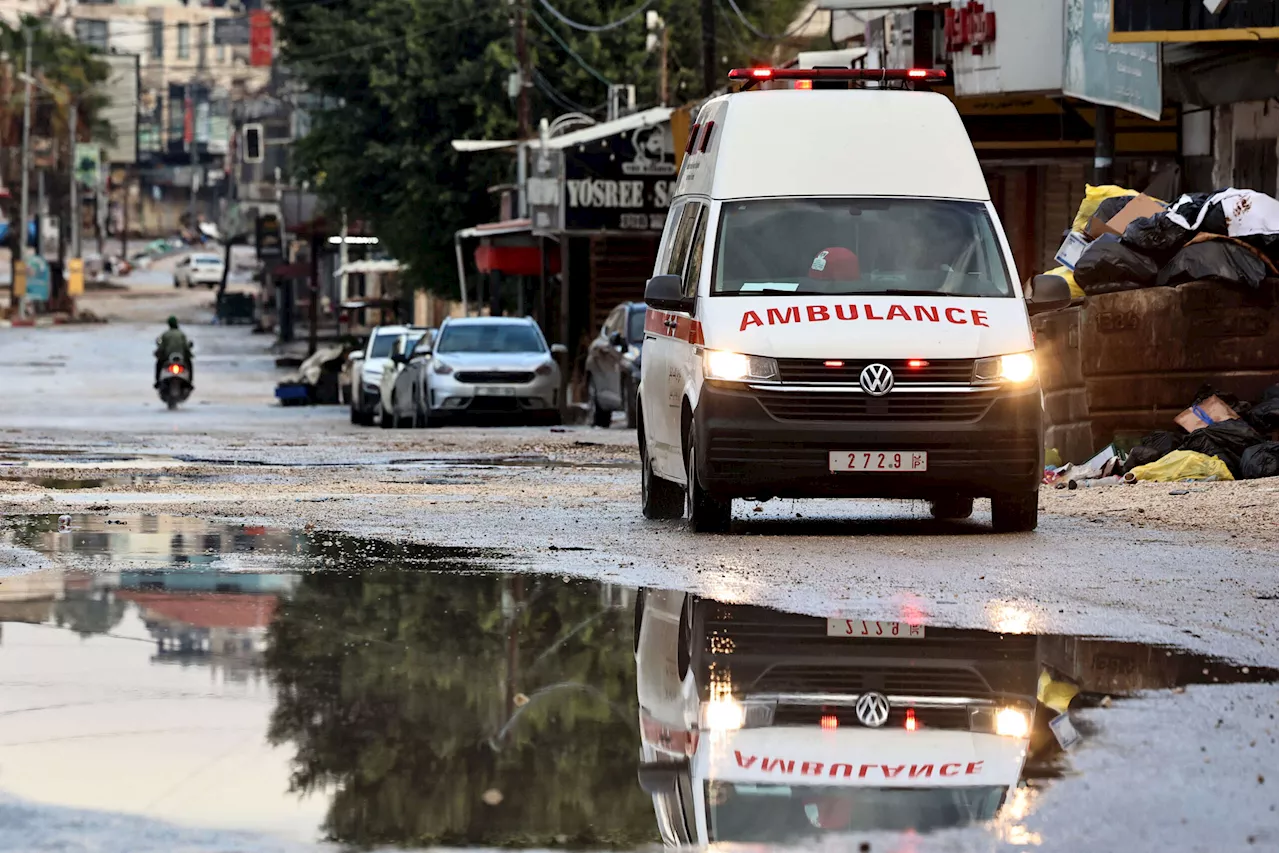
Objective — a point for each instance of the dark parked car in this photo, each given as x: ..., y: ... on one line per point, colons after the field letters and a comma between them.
x: 613, y: 365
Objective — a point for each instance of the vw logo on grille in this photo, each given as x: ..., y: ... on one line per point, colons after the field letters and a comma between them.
x: 876, y: 379
x: 872, y: 709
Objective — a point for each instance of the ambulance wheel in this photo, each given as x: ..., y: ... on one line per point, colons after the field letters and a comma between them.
x: 706, y: 514
x: 1016, y: 513
x: 951, y: 508
x: 659, y: 499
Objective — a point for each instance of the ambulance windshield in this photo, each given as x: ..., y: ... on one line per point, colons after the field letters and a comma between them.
x: 889, y: 246
x: 780, y: 813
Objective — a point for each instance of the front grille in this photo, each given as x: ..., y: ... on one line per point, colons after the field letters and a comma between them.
x: 838, y: 406
x: 494, y: 377
x: 926, y: 718
x: 815, y: 370
x: 743, y: 452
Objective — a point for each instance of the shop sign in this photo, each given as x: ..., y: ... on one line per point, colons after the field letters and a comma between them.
x: 622, y: 182
x: 969, y: 26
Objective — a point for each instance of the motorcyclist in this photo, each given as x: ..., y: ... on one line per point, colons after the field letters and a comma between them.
x: 174, y: 342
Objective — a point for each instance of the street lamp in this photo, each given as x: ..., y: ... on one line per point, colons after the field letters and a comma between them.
x: 73, y: 206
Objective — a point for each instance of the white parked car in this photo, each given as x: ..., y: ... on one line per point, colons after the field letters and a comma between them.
x: 198, y: 268
x: 366, y: 366
x: 401, y: 390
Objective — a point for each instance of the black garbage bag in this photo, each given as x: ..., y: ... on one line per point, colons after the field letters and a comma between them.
x: 1240, y: 407
x: 1227, y: 440
x: 1260, y: 461
x: 1213, y: 260
x: 1141, y: 455
x: 1265, y: 416
x: 1106, y: 267
x: 1162, y: 442
x: 1111, y: 206
x: 1157, y: 237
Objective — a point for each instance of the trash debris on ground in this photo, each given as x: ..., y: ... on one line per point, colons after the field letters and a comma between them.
x: 1227, y: 441
x: 1181, y: 465
x: 317, y: 379
x: 1205, y: 412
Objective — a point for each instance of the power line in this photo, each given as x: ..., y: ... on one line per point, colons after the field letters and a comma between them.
x: 565, y: 45
x: 767, y: 37
x: 592, y: 28
x: 562, y: 100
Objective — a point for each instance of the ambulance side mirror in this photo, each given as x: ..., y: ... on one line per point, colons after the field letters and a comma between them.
x: 1048, y: 293
x: 666, y: 293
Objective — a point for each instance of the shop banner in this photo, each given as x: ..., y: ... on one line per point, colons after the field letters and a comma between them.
x: 1099, y: 71
x: 620, y: 183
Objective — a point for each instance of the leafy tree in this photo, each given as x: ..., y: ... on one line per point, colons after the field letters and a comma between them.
x: 404, y: 78
x: 395, y: 687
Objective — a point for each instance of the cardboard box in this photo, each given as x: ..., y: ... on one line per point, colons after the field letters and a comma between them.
x: 1141, y: 206
x: 1213, y: 408
x: 1071, y: 250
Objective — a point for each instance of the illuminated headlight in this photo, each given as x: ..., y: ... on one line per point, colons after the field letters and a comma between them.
x: 736, y: 367
x: 1016, y: 368
x: 725, y: 714
x: 1006, y: 722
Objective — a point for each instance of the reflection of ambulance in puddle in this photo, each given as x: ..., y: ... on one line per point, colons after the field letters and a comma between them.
x: 759, y: 726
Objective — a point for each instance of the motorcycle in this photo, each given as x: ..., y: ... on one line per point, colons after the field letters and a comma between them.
x: 175, y: 382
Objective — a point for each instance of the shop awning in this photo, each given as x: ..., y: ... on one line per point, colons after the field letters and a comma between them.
x: 515, y: 260
x: 496, y: 229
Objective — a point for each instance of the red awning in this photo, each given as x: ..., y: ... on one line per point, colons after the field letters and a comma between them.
x: 515, y: 260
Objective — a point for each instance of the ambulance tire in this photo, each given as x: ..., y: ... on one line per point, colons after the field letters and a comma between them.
x: 706, y: 514
x: 660, y: 500
x: 1016, y: 513
x: 951, y: 508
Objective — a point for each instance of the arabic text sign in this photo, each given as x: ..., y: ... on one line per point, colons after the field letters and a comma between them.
x: 1101, y: 72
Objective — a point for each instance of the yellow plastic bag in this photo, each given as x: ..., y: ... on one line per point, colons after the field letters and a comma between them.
x: 1182, y: 465
x: 1076, y: 292
x: 1094, y: 196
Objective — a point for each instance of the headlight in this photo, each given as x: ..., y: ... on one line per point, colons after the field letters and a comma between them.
x: 441, y: 368
x: 724, y: 713
x: 736, y: 367
x: 1006, y: 722
x: 545, y: 368
x: 1016, y: 368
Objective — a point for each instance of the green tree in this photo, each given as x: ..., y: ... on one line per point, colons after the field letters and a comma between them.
x: 394, y: 687
x: 403, y: 78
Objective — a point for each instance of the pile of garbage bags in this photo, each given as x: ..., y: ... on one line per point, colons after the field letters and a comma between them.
x: 1242, y: 447
x: 1229, y: 236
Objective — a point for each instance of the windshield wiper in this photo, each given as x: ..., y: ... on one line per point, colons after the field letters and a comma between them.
x: 902, y: 291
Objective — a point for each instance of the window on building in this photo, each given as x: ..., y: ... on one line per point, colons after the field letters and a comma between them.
x: 184, y: 41
x: 92, y: 33
x: 157, y: 40
x: 220, y: 51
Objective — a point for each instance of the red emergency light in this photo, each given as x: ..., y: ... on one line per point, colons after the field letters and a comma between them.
x: 910, y: 723
x: 863, y: 75
x: 916, y: 363
x: 829, y: 722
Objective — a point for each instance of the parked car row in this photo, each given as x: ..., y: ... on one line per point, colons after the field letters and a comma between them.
x: 199, y: 268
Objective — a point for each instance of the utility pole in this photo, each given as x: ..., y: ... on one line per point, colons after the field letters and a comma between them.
x: 1104, y: 144
x: 709, y: 63
x: 662, y: 77
x: 26, y: 150
x: 195, y: 156
x: 518, y: 22
x: 656, y: 38
x: 73, y: 209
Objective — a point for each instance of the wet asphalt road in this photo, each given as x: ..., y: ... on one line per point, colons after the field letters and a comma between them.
x: 281, y: 628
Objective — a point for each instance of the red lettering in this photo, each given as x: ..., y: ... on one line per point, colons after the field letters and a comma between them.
x: 961, y: 322
x: 929, y: 311
x: 870, y: 315
x: 853, y: 312
x: 777, y: 764
x: 973, y: 768
x: 792, y: 315
x: 862, y: 771
x: 848, y: 769
x: 892, y: 772
x: 811, y: 768
x: 750, y: 318
x: 745, y: 765
x: 920, y: 770
x: 980, y: 318
x: 818, y: 313
x: 942, y: 771
x: 898, y: 311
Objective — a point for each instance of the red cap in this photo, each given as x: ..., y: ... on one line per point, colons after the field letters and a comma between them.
x: 835, y: 264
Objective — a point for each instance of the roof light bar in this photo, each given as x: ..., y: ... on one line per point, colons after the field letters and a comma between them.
x: 837, y: 74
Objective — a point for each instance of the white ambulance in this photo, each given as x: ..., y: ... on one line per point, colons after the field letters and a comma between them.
x: 834, y: 310
x: 766, y: 727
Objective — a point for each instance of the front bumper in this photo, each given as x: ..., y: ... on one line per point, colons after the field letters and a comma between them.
x: 760, y: 444
x: 449, y: 396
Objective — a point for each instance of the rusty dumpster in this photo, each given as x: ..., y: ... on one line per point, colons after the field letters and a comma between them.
x: 1123, y: 364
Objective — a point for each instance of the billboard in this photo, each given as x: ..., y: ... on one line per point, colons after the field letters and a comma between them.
x: 1095, y: 69
x: 622, y: 182
x: 121, y: 111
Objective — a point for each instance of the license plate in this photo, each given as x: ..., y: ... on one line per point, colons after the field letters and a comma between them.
x: 483, y: 391
x: 874, y: 629
x: 878, y: 460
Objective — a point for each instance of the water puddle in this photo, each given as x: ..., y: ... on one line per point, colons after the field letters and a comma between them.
x: 320, y: 686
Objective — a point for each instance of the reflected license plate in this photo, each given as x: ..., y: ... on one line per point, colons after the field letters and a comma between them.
x: 878, y: 460
x: 874, y: 629
x: 485, y: 391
